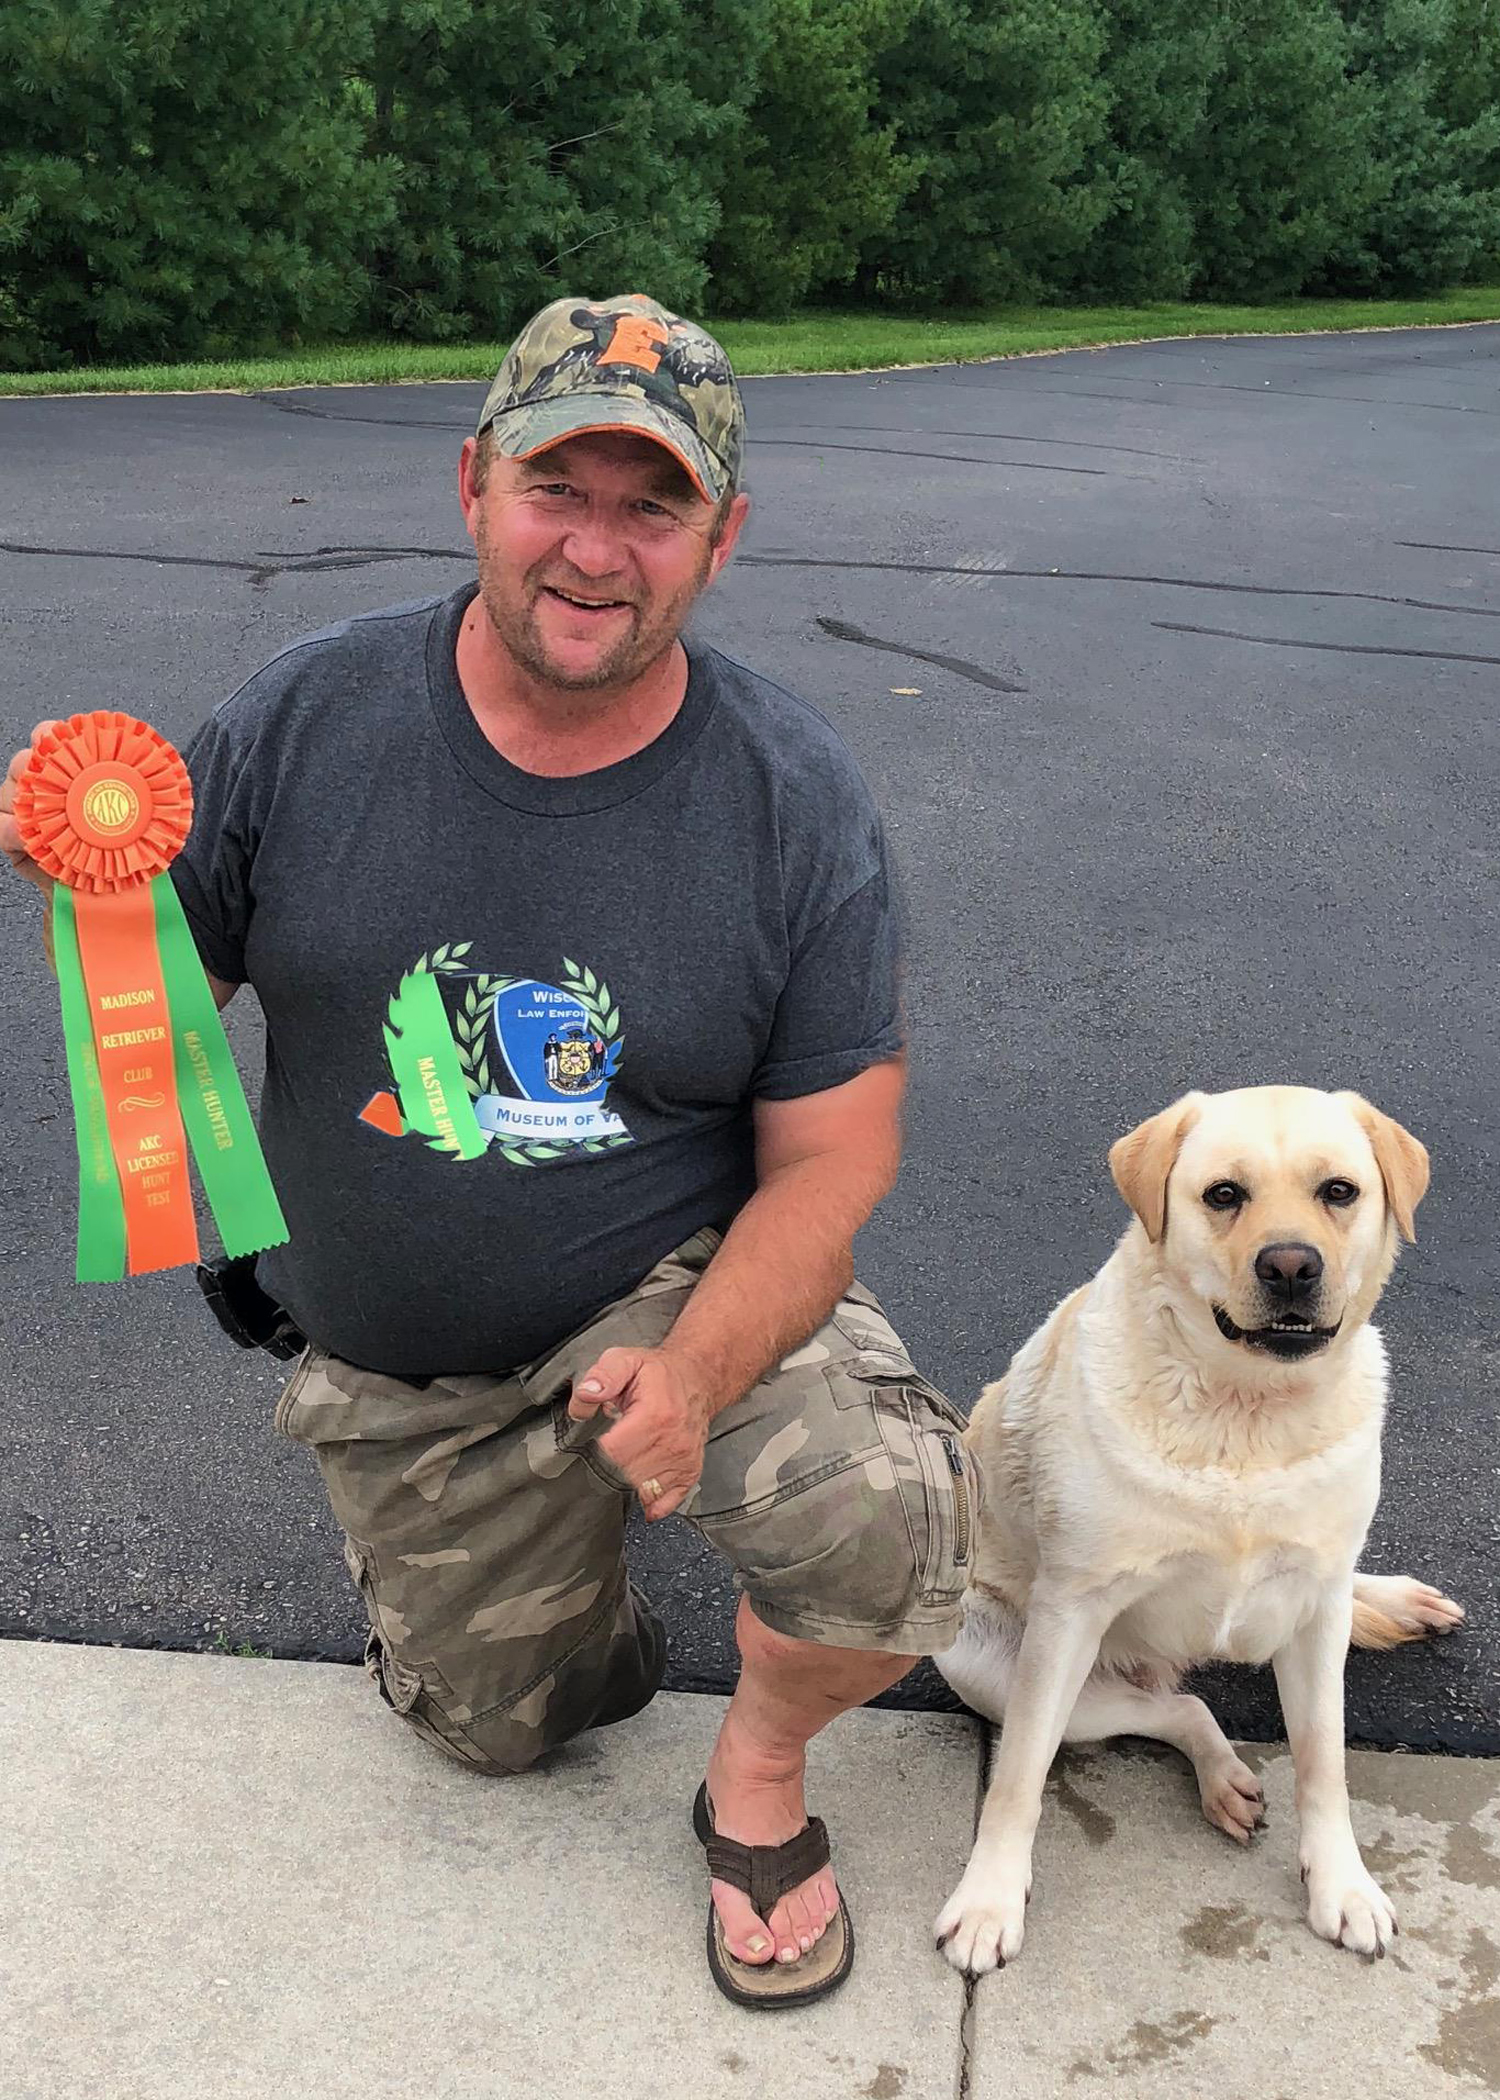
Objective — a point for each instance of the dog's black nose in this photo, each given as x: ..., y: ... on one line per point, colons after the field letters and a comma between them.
x: 1291, y: 1268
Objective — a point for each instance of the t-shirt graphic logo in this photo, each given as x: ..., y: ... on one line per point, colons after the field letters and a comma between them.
x: 551, y: 1041
x: 513, y: 1064
x: 574, y: 1063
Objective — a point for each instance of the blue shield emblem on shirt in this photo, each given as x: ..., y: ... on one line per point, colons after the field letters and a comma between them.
x: 553, y: 1049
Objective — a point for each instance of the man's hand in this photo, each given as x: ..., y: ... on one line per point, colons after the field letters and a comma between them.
x: 10, y: 836
x: 22, y: 862
x: 661, y: 1423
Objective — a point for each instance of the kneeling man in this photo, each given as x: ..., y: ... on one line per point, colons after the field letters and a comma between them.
x: 648, y: 891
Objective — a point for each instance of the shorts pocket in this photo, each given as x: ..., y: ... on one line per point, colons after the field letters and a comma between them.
x: 291, y: 1392
x: 874, y: 1349
x: 936, y: 1478
x: 581, y: 1440
x: 415, y: 1691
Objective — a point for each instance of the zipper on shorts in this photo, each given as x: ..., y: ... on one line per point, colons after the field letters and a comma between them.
x: 960, y: 1498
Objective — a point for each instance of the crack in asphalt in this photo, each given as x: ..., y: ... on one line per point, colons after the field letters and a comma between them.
x: 959, y: 459
x: 1297, y: 393
x: 959, y: 665
x: 1176, y: 583
x: 1000, y: 437
x: 329, y: 415
x: 306, y: 554
x: 1446, y: 547
x: 1083, y: 393
x: 179, y: 561
x: 1287, y: 641
x: 261, y: 570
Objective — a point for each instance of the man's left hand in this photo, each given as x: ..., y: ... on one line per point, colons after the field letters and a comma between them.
x: 658, y: 1439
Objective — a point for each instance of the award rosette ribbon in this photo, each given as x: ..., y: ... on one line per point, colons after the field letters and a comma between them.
x: 104, y: 807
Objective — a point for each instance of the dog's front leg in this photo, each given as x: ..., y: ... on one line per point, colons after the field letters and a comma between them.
x: 1343, y: 1903
x: 983, y: 1922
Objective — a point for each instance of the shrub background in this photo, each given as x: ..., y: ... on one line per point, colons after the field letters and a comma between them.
x: 209, y: 177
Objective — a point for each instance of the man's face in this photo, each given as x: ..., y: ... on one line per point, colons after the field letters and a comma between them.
x: 591, y: 555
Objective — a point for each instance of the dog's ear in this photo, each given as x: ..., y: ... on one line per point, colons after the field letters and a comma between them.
x: 1142, y: 1161
x: 1401, y: 1158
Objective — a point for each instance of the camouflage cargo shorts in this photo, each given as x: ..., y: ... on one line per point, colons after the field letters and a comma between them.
x: 485, y: 1530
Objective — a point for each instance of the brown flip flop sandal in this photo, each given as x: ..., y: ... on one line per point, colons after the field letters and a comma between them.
x: 766, y: 1873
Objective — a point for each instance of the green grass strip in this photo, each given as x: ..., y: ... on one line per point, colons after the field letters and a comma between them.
x: 832, y: 341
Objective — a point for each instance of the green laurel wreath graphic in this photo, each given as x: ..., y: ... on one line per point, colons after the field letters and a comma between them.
x: 593, y: 996
x: 471, y: 1037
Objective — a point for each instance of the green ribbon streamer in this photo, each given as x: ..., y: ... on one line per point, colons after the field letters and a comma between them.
x: 429, y: 1079
x: 215, y: 1113
x: 100, y: 1256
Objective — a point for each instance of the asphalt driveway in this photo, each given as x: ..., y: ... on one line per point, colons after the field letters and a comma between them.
x: 1174, y: 667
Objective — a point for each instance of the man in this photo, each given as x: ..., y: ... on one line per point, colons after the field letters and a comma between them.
x: 635, y: 1276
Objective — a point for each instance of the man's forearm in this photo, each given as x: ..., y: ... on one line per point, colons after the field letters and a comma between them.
x: 785, y: 1263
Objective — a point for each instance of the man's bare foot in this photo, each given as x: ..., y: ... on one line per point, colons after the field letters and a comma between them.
x: 756, y: 1798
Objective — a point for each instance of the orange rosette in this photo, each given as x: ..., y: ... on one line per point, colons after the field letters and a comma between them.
x: 104, y: 804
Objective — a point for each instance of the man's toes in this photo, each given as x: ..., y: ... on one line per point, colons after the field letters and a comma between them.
x: 746, y: 1937
x: 798, y: 1923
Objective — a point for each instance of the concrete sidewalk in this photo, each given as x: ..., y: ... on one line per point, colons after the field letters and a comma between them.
x: 238, y: 1878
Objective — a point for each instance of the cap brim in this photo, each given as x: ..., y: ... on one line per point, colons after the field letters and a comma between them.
x: 520, y: 433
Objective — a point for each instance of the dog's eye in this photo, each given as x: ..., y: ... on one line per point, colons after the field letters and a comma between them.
x: 1224, y: 1195
x: 1339, y: 1192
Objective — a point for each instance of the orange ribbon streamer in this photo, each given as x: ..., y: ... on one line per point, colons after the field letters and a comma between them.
x: 127, y: 1001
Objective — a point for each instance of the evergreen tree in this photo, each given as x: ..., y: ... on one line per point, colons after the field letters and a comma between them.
x: 540, y: 153
x: 1280, y: 169
x: 998, y: 108
x: 181, y: 177
x: 1468, y: 95
x: 1433, y: 212
x: 1159, y: 66
x: 818, y: 173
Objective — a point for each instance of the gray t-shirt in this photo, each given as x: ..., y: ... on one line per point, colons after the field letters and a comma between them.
x: 628, y: 960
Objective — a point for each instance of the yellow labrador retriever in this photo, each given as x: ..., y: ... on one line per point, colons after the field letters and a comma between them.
x: 1182, y: 1464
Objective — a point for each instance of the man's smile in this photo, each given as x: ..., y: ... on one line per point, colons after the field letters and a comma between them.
x: 576, y: 603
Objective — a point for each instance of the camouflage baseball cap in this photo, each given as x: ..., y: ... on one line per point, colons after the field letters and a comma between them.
x: 620, y: 364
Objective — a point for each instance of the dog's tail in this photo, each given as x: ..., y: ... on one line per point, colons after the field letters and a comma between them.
x: 1392, y: 1609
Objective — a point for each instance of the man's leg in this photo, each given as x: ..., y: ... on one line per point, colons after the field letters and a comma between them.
x: 841, y: 1491
x: 788, y: 1691
x: 489, y: 1558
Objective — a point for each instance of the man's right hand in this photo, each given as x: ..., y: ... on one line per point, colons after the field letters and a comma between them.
x: 10, y: 836
x: 22, y: 862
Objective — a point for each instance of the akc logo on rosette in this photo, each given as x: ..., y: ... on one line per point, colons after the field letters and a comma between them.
x: 516, y: 1063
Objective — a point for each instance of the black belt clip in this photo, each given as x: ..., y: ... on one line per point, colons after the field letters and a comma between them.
x: 248, y: 1315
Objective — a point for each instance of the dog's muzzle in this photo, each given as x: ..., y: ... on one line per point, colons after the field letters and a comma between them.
x: 1289, y: 1335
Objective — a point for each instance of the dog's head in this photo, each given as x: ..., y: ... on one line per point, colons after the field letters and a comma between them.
x: 1273, y: 1211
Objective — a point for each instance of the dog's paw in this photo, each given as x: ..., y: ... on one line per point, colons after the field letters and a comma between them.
x: 1390, y: 1609
x: 1350, y: 1909
x: 1232, y: 1799
x: 983, y: 1923
x: 1418, y: 1608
